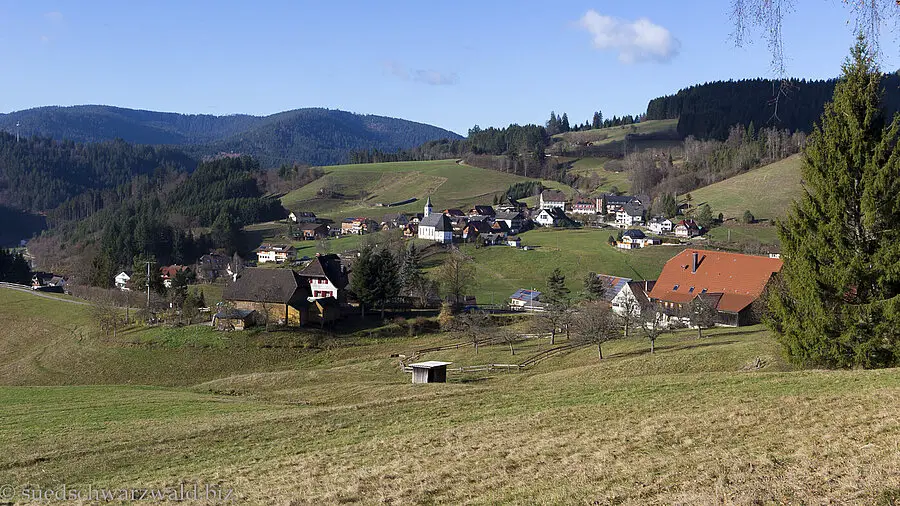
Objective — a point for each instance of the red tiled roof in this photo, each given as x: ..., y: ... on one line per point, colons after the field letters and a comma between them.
x: 740, y: 279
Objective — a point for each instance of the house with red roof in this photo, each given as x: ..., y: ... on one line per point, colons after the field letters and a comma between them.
x: 729, y: 282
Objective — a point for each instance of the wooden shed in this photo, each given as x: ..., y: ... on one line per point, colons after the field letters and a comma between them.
x: 234, y: 319
x: 432, y: 371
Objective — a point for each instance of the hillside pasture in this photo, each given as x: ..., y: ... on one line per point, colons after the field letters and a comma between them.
x: 502, y: 270
x: 767, y: 192
x: 718, y: 420
x: 601, y: 136
x: 450, y: 185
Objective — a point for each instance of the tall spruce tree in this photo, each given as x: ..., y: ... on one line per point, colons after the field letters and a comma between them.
x: 362, y: 281
x: 837, y: 303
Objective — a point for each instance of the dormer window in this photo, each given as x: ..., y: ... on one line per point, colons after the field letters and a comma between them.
x: 675, y: 288
x: 691, y: 290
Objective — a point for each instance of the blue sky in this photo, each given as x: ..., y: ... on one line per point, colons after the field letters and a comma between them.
x: 451, y: 64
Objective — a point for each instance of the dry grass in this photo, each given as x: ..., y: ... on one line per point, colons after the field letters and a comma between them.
x: 695, y: 423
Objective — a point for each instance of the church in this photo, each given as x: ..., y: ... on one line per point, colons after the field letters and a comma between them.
x: 435, y: 227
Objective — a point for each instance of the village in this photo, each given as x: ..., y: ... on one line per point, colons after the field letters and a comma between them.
x: 280, y: 289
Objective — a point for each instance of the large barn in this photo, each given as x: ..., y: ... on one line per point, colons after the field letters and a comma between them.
x: 729, y: 282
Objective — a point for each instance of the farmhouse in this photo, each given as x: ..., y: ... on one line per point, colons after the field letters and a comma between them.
x: 660, y: 225
x: 277, y: 253
x: 514, y: 220
x: 279, y: 293
x: 552, y: 199
x: 312, y: 231
x: 326, y: 277
x: 551, y: 217
x: 687, y: 229
x: 302, y: 216
x: 730, y: 282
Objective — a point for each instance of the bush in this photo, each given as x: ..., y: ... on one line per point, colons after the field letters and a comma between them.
x: 748, y: 217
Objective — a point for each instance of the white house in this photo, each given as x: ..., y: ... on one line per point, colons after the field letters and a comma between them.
x: 278, y: 253
x: 122, y: 280
x: 553, y: 199
x: 629, y: 215
x: 435, y: 227
x: 687, y: 229
x: 550, y: 217
x: 625, y: 294
x: 302, y: 216
x: 326, y: 277
x: 661, y: 225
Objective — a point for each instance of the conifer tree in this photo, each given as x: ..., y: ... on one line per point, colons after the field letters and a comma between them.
x: 837, y: 303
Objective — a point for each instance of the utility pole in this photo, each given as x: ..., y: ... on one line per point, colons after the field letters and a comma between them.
x: 17, y: 131
x: 148, y: 287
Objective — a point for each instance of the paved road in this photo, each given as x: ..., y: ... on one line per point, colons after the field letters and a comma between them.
x: 41, y: 294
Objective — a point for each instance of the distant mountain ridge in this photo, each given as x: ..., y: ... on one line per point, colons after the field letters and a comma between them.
x: 314, y: 135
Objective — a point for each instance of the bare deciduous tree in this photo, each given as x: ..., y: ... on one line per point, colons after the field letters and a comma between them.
x: 596, y: 324
x: 651, y: 323
x: 474, y: 325
x: 701, y: 314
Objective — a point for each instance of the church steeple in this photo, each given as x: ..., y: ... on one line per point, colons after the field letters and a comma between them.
x: 428, y: 206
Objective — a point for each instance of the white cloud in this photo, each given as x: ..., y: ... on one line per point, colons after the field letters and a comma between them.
x: 425, y: 76
x: 635, y: 41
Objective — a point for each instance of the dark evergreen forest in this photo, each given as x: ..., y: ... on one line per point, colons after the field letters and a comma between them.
x: 708, y: 111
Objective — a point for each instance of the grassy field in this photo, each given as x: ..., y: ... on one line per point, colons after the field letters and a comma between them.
x: 502, y: 270
x: 696, y: 423
x: 767, y: 192
x: 763, y: 233
x: 450, y: 185
x: 613, y: 134
x: 609, y: 180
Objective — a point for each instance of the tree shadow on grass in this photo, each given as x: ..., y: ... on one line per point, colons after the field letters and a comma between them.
x: 671, y: 347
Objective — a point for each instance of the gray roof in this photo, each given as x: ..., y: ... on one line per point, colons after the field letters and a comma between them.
x: 508, y: 215
x: 439, y: 221
x: 634, y: 234
x: 281, y: 286
x: 328, y: 266
x: 553, y: 196
x: 632, y: 209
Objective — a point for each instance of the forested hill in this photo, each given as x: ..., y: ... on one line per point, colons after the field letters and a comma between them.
x: 39, y: 173
x: 709, y: 110
x: 313, y: 136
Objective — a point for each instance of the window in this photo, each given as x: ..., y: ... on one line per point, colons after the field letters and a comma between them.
x: 675, y: 288
x: 691, y: 290
x: 702, y: 291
